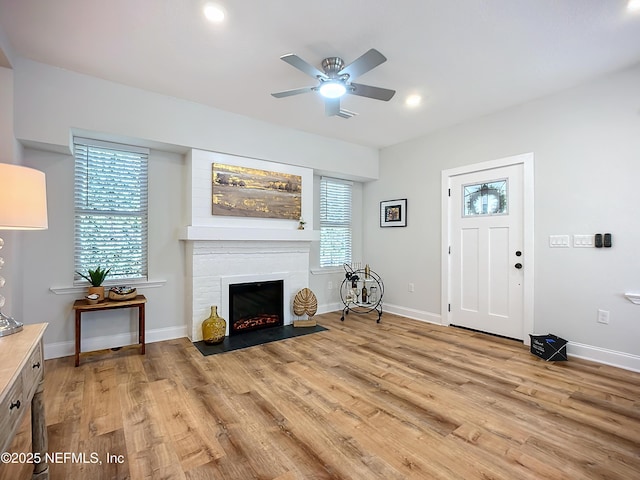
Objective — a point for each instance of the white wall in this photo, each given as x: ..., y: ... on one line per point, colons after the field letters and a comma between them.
x: 586, y: 146
x: 7, y: 141
x: 51, y: 104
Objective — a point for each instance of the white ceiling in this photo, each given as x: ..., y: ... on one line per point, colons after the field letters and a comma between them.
x: 467, y: 58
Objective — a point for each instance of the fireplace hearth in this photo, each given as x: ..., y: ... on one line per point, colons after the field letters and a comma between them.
x: 255, y: 305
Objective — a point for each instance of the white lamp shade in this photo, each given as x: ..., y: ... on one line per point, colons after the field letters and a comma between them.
x: 23, y: 198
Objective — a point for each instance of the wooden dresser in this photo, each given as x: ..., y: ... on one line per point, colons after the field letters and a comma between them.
x: 21, y: 382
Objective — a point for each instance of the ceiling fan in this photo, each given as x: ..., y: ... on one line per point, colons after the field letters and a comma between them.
x: 336, y: 80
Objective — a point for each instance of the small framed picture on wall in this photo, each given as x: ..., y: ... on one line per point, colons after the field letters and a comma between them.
x: 393, y: 213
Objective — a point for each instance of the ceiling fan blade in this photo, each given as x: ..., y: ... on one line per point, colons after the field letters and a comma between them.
x: 300, y: 64
x: 295, y: 91
x: 363, y: 64
x: 371, y: 92
x: 331, y: 106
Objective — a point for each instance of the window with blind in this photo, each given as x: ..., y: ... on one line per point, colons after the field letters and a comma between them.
x: 110, y: 208
x: 335, y: 222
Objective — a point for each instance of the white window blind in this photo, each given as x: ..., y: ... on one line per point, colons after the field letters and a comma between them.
x: 110, y: 208
x: 335, y: 222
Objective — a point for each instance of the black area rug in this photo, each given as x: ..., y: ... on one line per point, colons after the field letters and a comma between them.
x: 258, y: 337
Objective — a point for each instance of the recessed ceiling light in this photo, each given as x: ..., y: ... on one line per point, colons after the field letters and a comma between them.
x: 214, y: 13
x: 633, y: 5
x: 413, y: 100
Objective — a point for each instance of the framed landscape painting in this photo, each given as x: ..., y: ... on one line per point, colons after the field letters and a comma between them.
x: 250, y: 192
x: 393, y: 213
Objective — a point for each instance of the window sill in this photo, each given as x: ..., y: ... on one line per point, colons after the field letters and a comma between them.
x: 80, y: 289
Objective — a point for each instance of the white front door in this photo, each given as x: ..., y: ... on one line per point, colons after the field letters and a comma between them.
x: 487, y: 255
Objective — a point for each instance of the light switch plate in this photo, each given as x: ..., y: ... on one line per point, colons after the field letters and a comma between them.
x: 583, y: 241
x: 603, y: 316
x: 559, y: 241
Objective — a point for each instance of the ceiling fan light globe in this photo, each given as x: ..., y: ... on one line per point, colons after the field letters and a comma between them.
x: 332, y: 89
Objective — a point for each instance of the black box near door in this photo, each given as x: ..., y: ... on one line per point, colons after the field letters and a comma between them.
x: 549, y: 347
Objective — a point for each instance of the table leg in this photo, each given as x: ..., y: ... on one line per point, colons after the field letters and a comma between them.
x: 78, y: 313
x: 141, y: 327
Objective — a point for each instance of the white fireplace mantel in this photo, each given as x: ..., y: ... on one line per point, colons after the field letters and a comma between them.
x: 209, y: 233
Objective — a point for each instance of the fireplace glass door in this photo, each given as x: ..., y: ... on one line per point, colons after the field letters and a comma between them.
x: 255, y: 306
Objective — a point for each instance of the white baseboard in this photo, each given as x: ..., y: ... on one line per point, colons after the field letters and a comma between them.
x: 412, y: 313
x: 329, y: 307
x: 395, y: 309
x: 64, y: 349
x: 602, y: 355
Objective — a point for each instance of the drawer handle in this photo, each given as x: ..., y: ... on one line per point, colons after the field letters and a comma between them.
x: 36, y: 365
x: 14, y: 405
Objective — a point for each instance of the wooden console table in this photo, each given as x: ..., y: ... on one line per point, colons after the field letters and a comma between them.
x: 83, y: 306
x: 21, y: 383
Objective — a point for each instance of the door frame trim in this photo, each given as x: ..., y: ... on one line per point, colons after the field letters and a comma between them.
x: 526, y: 159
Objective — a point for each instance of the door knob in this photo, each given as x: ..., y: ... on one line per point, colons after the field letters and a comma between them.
x: 518, y: 253
x: 518, y: 266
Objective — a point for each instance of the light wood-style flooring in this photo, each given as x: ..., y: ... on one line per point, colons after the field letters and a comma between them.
x: 399, y: 399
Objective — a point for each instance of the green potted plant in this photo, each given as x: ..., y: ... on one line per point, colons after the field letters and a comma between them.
x: 95, y: 278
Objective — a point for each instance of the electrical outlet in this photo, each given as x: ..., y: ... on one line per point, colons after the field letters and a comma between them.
x: 412, y: 288
x: 330, y: 285
x: 603, y: 316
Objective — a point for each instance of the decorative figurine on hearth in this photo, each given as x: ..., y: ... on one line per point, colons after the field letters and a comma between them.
x: 305, y: 302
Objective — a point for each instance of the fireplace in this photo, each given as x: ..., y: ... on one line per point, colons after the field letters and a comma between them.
x: 255, y: 305
x: 213, y: 266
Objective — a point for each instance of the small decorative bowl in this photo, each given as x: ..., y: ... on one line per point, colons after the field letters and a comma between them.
x: 92, y: 299
x: 122, y: 293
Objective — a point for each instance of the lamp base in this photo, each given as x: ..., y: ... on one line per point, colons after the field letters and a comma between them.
x: 9, y: 326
